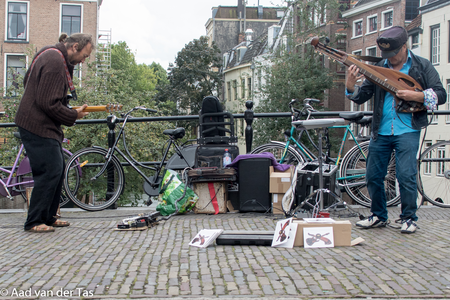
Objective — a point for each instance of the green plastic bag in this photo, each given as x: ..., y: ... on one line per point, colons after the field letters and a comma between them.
x: 172, y: 189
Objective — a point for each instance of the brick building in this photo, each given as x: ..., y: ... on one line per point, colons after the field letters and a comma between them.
x: 30, y: 25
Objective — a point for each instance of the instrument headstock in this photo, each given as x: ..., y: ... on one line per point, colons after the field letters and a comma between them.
x: 113, y: 107
x: 326, y: 50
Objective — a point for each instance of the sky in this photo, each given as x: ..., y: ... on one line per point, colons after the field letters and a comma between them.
x: 156, y: 31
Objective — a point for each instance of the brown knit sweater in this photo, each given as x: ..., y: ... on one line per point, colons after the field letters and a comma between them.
x: 43, y: 108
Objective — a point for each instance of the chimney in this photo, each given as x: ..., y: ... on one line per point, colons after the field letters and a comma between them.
x: 272, y: 34
x: 249, y: 36
x: 241, y: 37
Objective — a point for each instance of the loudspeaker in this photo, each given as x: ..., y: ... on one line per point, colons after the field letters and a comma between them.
x: 254, y: 185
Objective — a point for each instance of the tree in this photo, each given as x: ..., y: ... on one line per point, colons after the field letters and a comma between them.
x: 194, y: 76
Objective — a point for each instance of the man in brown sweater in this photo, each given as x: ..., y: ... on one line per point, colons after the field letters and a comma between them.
x: 42, y: 111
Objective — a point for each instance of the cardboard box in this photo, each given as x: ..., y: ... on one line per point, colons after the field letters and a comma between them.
x: 280, y: 181
x: 204, y: 204
x: 276, y: 204
x: 342, y: 231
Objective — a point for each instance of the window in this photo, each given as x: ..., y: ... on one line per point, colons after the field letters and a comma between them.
x: 259, y: 79
x: 415, y: 41
x: 357, y: 52
x: 411, y: 9
x: 427, y: 166
x: 70, y: 18
x: 447, y: 104
x: 435, y: 45
x: 387, y: 18
x: 243, y: 88
x: 17, y: 21
x: 235, y: 89
x: 371, y: 52
x: 372, y: 23
x: 15, y: 66
x: 441, y: 165
x: 318, y: 15
x: 228, y: 91
x: 249, y: 87
x: 77, y: 71
x: 357, y: 28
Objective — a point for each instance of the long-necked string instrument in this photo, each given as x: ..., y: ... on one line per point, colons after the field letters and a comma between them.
x: 388, y: 79
x: 109, y: 108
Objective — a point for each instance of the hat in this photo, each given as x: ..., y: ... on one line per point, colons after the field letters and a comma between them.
x: 391, y: 41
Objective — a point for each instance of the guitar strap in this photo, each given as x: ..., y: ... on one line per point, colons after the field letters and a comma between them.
x: 69, y: 79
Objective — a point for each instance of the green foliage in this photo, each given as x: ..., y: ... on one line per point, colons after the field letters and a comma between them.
x: 194, y: 76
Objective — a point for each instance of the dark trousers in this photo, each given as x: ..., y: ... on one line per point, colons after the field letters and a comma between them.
x: 406, y: 146
x: 47, y: 164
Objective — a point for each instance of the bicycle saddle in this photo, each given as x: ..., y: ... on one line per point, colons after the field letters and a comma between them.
x: 364, y: 121
x: 177, y: 133
x: 318, y: 123
x: 352, y: 116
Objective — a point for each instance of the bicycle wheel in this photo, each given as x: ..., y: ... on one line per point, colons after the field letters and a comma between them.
x: 64, y: 199
x: 433, y: 176
x: 352, y: 175
x: 292, y: 157
x: 86, y: 192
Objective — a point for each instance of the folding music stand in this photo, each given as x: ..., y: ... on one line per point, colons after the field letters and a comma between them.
x: 320, y: 125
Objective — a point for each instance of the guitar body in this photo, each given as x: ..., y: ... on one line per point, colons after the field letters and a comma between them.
x: 400, y: 81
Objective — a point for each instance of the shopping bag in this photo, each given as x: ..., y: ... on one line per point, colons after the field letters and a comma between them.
x: 172, y: 189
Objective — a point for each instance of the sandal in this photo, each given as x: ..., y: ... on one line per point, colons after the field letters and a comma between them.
x: 41, y: 228
x: 59, y: 223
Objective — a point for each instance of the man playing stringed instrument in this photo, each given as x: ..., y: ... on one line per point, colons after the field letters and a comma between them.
x: 42, y: 111
x: 393, y: 129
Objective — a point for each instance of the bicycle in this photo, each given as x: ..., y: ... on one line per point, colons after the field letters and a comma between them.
x: 94, y: 177
x: 352, y: 167
x: 20, y: 177
x: 433, y: 176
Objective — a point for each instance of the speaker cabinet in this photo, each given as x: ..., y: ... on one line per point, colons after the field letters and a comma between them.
x: 254, y: 185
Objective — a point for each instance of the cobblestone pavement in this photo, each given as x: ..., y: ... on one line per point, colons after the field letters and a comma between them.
x: 89, y: 259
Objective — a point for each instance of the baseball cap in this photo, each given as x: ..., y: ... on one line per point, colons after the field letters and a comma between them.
x: 391, y: 41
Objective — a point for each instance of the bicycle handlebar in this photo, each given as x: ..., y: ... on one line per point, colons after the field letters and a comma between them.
x: 149, y: 110
x: 307, y: 107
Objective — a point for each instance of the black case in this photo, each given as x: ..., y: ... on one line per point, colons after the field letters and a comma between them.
x: 211, y: 155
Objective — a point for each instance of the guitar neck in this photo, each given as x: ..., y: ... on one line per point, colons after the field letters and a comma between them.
x: 92, y: 108
x: 108, y: 108
x: 371, y: 74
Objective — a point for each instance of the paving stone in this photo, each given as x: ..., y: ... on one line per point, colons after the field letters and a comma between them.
x: 159, y: 263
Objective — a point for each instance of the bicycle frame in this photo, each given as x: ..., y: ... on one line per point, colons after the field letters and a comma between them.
x: 8, y: 187
x: 309, y: 155
x: 11, y: 181
x: 153, y: 180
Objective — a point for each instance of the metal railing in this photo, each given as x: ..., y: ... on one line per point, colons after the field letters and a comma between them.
x: 248, y: 116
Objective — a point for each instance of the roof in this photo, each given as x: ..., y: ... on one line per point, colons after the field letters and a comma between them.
x: 255, y: 48
x: 415, y: 23
x: 362, y: 2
